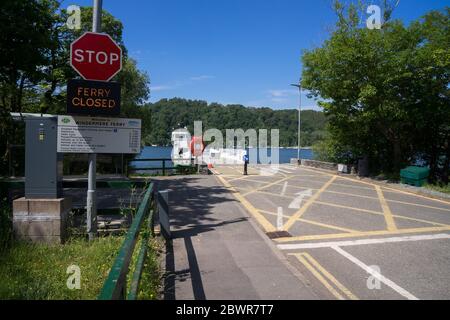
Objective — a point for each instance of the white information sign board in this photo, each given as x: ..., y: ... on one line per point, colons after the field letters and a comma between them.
x: 98, y: 135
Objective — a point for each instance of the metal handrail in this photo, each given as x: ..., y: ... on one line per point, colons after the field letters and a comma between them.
x: 115, y: 286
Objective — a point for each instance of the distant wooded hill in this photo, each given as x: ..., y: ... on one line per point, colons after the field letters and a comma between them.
x: 165, y: 115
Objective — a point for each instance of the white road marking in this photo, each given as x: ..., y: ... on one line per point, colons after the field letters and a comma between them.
x: 280, y: 219
x: 268, y: 171
x: 285, y: 170
x: 376, y: 275
x: 331, y: 244
x: 297, y: 202
x: 283, y: 192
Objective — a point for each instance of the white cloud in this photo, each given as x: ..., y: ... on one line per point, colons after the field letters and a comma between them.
x: 202, y: 77
x: 281, y: 93
x: 279, y: 100
x: 161, y: 88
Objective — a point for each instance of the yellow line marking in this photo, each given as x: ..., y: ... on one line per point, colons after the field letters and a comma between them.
x: 362, y: 234
x: 268, y: 185
x: 256, y: 181
x: 307, y: 176
x: 394, y: 190
x: 328, y: 226
x: 317, y: 270
x: 329, y: 276
x: 308, y: 203
x: 360, y: 210
x: 267, y: 226
x: 229, y: 175
x: 267, y: 193
x: 419, y: 205
x: 319, y: 277
x: 240, y: 178
x: 375, y: 198
x: 354, y: 187
x: 381, y: 213
x: 340, y: 184
x: 386, y: 210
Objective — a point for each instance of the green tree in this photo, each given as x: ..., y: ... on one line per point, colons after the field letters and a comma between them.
x: 385, y: 91
x: 25, y: 40
x: 167, y: 115
x: 34, y: 64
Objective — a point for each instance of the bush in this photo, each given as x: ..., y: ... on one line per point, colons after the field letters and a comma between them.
x: 329, y: 150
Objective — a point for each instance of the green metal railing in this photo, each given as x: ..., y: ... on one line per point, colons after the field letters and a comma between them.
x: 115, y: 286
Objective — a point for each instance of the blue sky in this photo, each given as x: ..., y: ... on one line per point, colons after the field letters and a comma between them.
x: 230, y: 51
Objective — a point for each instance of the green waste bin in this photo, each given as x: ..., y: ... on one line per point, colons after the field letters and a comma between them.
x: 415, y: 176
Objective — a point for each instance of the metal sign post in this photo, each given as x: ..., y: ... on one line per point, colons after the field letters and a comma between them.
x: 91, y: 200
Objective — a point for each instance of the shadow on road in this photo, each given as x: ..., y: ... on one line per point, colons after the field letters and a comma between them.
x: 191, y: 201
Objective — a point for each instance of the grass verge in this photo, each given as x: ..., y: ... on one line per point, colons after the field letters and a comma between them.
x: 38, y: 271
x: 439, y: 188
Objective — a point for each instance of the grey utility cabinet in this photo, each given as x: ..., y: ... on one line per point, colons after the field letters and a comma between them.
x: 43, y: 164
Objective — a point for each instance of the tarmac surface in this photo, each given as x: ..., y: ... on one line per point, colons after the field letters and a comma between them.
x: 217, y: 252
x: 318, y: 235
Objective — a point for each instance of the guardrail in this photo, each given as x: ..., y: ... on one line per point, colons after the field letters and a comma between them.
x: 115, y: 286
x: 164, y: 167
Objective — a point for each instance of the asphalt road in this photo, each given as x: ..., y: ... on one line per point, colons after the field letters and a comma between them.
x: 218, y: 252
x: 349, y: 238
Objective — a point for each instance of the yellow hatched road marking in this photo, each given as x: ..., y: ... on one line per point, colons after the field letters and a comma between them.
x: 328, y: 226
x: 321, y: 273
x: 386, y: 210
x: 354, y: 187
x: 360, y: 210
x: 252, y: 180
x: 340, y: 184
x: 267, y: 193
x: 394, y: 201
x: 269, y: 185
x: 392, y: 190
x: 375, y: 198
x: 240, y: 178
x: 381, y: 213
x: 267, y: 226
x: 362, y: 234
x: 308, y: 203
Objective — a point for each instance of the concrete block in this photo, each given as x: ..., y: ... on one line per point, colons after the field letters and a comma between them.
x: 21, y: 228
x: 41, y: 220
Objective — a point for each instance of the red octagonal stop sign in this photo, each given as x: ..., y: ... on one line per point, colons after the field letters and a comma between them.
x: 95, y: 56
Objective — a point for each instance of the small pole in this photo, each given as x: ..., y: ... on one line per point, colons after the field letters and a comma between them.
x: 92, y: 198
x: 299, y: 86
x: 299, y: 116
x: 91, y: 201
x: 198, y: 166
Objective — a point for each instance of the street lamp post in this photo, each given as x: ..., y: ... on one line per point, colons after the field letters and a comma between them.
x: 299, y: 86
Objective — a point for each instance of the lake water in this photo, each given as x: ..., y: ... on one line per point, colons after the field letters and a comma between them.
x: 165, y: 152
